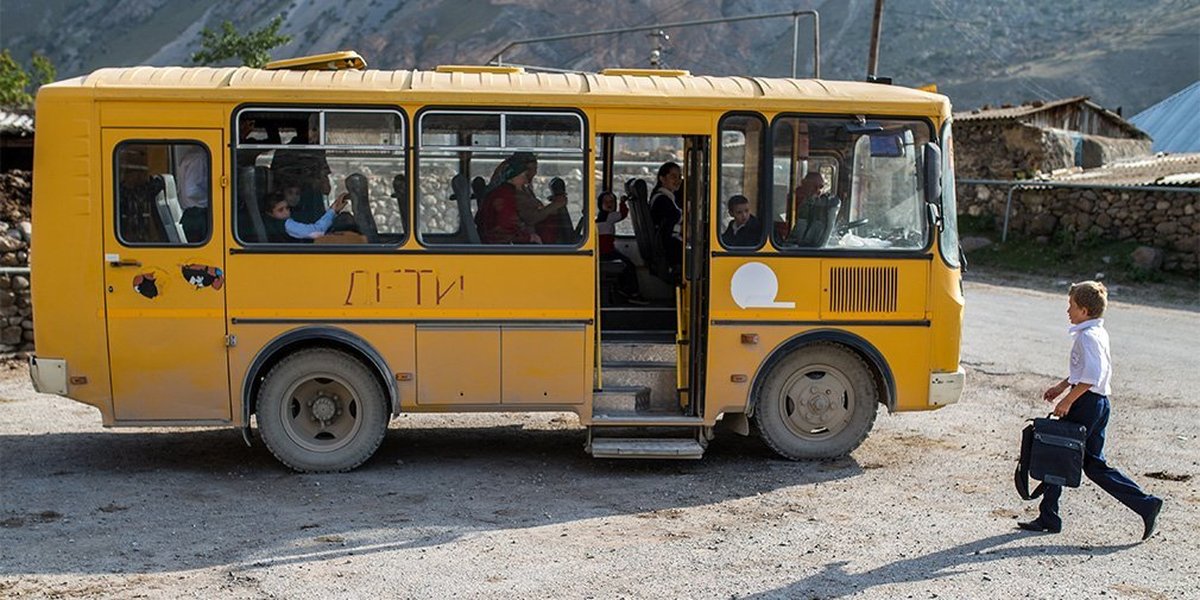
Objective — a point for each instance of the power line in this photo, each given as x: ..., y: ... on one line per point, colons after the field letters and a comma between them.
x: 977, y: 22
x: 977, y: 39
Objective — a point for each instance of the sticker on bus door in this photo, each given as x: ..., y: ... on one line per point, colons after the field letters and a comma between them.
x: 202, y: 276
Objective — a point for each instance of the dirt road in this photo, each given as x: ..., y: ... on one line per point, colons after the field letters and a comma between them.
x: 490, y: 506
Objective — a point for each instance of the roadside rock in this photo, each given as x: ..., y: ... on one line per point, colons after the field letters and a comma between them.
x: 1147, y: 258
x: 971, y: 244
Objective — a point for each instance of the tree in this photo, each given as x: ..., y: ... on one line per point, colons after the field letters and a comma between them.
x: 253, y: 49
x: 15, y: 80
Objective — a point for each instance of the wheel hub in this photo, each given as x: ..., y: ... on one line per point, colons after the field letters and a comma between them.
x: 816, y: 404
x: 323, y: 408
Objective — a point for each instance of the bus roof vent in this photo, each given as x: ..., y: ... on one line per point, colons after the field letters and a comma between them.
x: 499, y: 70
x: 647, y: 72
x: 332, y: 61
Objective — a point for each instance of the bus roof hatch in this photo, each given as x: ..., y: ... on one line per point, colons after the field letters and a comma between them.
x: 332, y: 61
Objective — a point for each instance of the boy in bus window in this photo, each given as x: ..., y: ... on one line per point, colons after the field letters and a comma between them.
x: 281, y: 227
x: 744, y: 230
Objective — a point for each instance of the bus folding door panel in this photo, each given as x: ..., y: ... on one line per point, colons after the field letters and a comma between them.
x: 458, y: 365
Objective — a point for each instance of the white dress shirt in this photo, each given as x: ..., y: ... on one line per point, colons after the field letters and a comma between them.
x: 1090, y: 358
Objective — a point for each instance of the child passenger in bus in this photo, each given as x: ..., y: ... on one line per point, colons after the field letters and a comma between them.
x: 607, y: 218
x: 744, y: 230
x: 666, y: 213
x: 281, y: 228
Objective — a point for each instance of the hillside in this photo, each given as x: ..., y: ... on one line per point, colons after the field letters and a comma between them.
x: 1122, y: 54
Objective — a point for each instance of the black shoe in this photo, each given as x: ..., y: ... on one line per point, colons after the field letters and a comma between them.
x: 1150, y: 519
x: 1038, y: 525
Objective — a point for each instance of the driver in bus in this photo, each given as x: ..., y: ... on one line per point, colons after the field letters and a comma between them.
x: 809, y: 188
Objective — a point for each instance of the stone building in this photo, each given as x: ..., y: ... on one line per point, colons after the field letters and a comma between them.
x: 1021, y: 142
x: 16, y: 140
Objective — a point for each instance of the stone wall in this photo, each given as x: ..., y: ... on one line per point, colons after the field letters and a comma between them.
x: 1169, y: 221
x: 16, y: 309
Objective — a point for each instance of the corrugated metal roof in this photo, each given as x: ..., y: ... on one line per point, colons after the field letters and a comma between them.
x: 1174, y: 123
x: 1168, y: 169
x: 516, y: 83
x: 16, y: 123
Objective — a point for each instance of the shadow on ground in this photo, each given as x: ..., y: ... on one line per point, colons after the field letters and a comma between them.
x: 833, y: 581
x: 161, y: 501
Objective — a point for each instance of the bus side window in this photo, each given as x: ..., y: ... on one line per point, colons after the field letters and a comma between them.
x: 316, y: 156
x: 163, y: 193
x: 740, y: 186
x: 501, y: 179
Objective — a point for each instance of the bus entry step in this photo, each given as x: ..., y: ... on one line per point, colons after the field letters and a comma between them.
x: 646, y: 448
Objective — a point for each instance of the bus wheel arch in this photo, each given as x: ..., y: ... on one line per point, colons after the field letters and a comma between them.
x: 315, y: 338
x: 816, y: 395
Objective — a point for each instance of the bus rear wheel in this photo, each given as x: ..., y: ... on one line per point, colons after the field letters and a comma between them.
x: 321, y: 410
x: 818, y: 401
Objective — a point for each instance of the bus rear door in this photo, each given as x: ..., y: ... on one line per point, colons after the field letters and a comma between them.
x: 163, y: 206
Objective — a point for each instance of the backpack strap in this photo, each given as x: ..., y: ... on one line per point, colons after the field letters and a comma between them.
x: 1021, y: 475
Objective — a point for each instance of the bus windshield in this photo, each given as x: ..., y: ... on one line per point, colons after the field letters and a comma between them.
x: 848, y: 183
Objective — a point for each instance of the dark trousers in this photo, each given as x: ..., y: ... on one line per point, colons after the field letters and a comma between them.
x: 195, y: 224
x: 1091, y: 410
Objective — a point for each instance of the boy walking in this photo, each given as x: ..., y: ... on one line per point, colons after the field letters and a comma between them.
x: 1086, y: 403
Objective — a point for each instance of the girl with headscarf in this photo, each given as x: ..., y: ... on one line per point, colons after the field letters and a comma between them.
x: 498, y: 220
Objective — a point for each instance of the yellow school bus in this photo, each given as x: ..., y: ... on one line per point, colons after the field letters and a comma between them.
x: 316, y: 248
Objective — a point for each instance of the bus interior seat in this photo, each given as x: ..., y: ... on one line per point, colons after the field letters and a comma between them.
x: 478, y: 189
x: 814, y: 230
x: 360, y: 207
x: 466, y: 217
x: 166, y: 202
x: 648, y: 243
x: 252, y: 183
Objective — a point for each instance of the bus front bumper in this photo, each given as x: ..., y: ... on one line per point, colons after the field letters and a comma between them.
x: 49, y: 375
x: 946, y: 388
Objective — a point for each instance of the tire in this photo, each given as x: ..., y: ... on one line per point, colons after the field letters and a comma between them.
x: 322, y: 411
x: 818, y: 401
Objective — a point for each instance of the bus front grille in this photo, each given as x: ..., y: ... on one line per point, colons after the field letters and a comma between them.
x: 862, y: 289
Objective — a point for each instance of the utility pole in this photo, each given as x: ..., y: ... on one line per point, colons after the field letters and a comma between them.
x: 873, y: 55
x: 659, y: 39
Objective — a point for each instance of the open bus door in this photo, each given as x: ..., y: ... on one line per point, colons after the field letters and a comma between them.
x: 692, y: 297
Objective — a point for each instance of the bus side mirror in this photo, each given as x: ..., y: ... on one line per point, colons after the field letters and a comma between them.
x: 933, y: 174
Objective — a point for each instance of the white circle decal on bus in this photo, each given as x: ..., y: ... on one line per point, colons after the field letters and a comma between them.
x: 754, y: 285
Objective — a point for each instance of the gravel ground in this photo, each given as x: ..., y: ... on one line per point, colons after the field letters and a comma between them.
x: 498, y: 506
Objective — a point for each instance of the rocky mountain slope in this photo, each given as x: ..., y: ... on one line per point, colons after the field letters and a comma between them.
x: 1122, y: 54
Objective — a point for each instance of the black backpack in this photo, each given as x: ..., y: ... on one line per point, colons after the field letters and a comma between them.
x: 1051, y: 452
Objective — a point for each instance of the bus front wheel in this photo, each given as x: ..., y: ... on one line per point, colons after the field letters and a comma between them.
x: 321, y: 410
x: 818, y: 401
